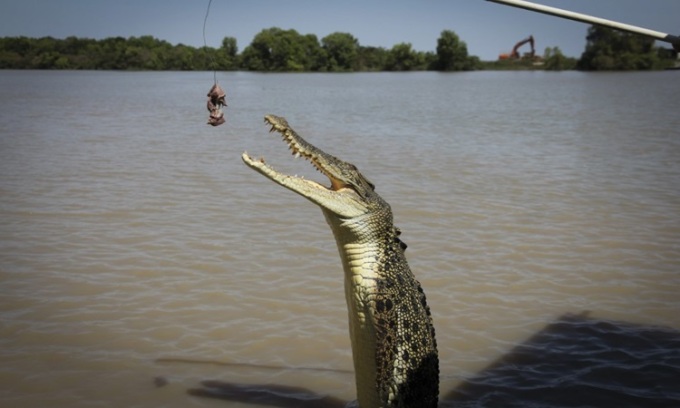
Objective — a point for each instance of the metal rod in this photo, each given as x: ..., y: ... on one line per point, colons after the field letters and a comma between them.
x: 584, y: 18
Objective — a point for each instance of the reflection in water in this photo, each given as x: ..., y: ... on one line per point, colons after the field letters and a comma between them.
x: 576, y: 361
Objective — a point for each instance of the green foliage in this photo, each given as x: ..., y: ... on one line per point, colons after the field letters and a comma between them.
x: 227, y: 56
x: 608, y: 49
x: 274, y: 49
x: 113, y: 53
x: 554, y: 60
x: 371, y: 59
x: 452, y: 54
x: 315, y: 55
x: 402, y: 57
x: 341, y: 51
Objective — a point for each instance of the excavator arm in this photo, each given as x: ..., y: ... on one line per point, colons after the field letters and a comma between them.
x: 514, y: 54
x: 530, y: 40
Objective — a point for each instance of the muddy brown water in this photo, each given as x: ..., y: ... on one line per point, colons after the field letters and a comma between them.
x: 139, y: 256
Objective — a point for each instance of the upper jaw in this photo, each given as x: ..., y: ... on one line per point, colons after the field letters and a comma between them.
x: 340, y: 198
x: 301, y: 148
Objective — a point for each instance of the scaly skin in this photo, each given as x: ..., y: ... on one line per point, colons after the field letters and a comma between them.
x: 393, y: 343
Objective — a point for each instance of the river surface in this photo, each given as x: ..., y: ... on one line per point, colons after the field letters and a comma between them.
x: 139, y: 257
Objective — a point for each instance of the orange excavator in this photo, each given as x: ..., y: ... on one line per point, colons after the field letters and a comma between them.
x: 514, y: 54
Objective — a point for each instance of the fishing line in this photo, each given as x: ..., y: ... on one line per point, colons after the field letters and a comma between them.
x: 205, y: 43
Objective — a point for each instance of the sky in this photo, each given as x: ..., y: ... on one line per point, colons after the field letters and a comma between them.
x: 487, y: 28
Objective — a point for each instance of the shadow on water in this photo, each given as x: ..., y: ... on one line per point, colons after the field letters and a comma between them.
x: 266, y: 394
x: 244, y: 365
x: 575, y: 361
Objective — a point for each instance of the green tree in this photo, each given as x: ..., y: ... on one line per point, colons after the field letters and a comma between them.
x: 342, y: 50
x: 44, y: 60
x: 257, y: 55
x: 140, y: 53
x: 227, y: 55
x: 315, y: 56
x: 452, y: 54
x: 182, y: 58
x: 402, y: 57
x: 274, y: 49
x: 13, y: 51
x: 112, y: 52
x: 554, y: 60
x: 371, y: 59
x: 609, y: 49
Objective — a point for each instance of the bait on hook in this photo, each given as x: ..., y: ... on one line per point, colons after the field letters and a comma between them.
x: 215, y: 102
x: 215, y: 95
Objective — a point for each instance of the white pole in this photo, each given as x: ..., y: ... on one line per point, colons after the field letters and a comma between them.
x: 584, y: 18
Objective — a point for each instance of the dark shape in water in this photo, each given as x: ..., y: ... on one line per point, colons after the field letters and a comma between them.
x: 578, y: 361
x: 160, y: 381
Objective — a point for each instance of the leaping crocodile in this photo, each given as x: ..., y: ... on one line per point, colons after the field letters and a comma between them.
x: 393, y: 342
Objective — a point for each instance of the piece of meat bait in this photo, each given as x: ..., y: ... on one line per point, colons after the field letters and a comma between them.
x: 216, y: 99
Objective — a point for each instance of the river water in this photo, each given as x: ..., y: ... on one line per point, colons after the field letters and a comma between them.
x: 140, y: 257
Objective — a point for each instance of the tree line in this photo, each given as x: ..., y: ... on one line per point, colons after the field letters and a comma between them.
x: 277, y: 50
x: 114, y: 53
x: 272, y: 49
x: 608, y: 50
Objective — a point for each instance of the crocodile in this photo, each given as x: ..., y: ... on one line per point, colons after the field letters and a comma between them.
x: 392, y: 335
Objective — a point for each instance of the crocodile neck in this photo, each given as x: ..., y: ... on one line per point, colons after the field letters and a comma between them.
x: 358, y: 263
x: 391, y: 331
